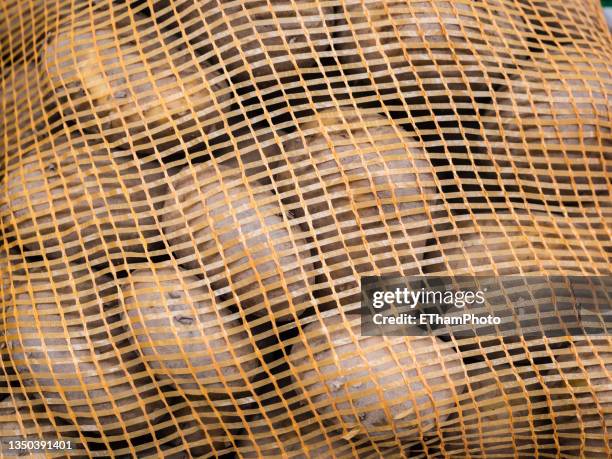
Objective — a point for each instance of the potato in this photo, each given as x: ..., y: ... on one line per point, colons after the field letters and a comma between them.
x: 581, y: 397
x: 200, y: 433
x: 261, y: 37
x: 22, y: 97
x: 383, y: 388
x: 527, y: 411
x: 183, y: 336
x: 500, y: 247
x: 442, y: 47
x: 80, y: 201
x: 554, y: 25
x: 504, y: 243
x: 23, y: 29
x: 129, y: 88
x: 16, y: 423
x: 235, y: 233
x: 501, y: 415
x: 65, y: 345
x: 282, y: 438
x: 364, y: 188
x: 549, y: 129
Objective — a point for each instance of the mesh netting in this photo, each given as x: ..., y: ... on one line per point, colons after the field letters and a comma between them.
x: 191, y: 191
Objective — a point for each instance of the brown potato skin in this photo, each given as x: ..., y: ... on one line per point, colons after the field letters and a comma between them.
x: 259, y: 39
x: 183, y: 336
x: 364, y: 188
x: 133, y: 93
x: 22, y: 87
x: 16, y: 424
x: 495, y: 414
x: 446, y: 46
x: 186, y: 339
x: 358, y: 381
x: 77, y: 201
x: 515, y: 243
x: 67, y: 349
x: 234, y: 231
x: 580, y: 394
x: 301, y: 441
x: 509, y: 409
x: 550, y: 126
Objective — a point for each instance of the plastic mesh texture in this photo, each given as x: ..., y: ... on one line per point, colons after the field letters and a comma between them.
x: 191, y: 190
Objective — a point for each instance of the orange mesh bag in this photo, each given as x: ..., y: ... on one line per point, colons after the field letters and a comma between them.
x: 192, y: 192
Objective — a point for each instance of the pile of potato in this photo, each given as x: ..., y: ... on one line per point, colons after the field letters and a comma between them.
x: 191, y: 191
